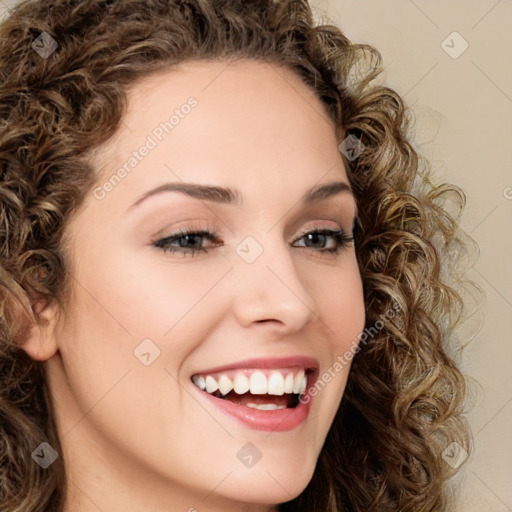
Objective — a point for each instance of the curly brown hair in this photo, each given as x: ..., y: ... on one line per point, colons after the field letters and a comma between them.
x: 405, y: 397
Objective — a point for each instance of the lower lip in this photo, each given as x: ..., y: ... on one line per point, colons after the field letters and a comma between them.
x: 278, y: 420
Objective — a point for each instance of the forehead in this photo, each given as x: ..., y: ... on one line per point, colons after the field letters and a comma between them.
x: 235, y: 100
x: 252, y: 126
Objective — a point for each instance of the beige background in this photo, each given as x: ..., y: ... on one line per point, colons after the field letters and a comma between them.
x: 463, y: 110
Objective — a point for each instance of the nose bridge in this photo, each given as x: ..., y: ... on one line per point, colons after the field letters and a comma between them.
x: 268, y: 285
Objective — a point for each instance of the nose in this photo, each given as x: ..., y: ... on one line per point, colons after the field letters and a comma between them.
x: 271, y: 290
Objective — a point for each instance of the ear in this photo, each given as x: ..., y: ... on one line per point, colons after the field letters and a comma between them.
x: 38, y: 339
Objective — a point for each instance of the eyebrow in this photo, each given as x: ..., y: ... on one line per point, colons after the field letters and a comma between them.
x: 224, y: 195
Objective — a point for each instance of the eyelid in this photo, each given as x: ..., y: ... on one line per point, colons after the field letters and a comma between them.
x: 193, y: 228
x: 189, y: 226
x: 321, y: 225
x: 183, y: 229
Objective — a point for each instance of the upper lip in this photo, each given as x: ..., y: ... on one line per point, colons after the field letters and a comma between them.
x: 308, y: 363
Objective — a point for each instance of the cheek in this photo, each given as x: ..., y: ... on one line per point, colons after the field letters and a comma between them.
x: 150, y: 294
x: 340, y: 299
x: 107, y: 385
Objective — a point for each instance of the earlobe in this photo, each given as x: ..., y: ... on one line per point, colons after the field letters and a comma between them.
x: 38, y: 339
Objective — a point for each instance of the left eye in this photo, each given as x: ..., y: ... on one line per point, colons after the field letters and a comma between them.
x: 189, y: 242
x: 340, y: 238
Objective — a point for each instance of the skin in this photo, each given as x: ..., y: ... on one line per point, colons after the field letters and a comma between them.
x: 133, y: 436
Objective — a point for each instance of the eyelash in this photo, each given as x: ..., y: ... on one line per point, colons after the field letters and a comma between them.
x: 341, y: 237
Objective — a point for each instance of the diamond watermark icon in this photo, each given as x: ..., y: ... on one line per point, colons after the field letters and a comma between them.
x: 249, y: 249
x: 146, y: 352
x: 454, y: 455
x: 352, y: 147
x: 454, y: 45
x: 249, y: 455
x: 44, y: 455
x: 44, y: 45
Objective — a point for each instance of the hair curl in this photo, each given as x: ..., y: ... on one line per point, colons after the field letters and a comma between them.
x: 405, y: 395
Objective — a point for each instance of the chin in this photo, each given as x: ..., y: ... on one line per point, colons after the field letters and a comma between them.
x: 268, y: 485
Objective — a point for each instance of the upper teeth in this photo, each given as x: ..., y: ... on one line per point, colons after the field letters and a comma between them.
x: 277, y: 382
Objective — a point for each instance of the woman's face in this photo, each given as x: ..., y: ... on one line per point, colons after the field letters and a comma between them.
x: 257, y: 304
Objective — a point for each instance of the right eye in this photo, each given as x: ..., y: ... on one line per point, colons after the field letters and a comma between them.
x: 173, y: 243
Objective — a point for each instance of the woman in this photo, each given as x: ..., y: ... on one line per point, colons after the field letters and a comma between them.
x: 223, y: 274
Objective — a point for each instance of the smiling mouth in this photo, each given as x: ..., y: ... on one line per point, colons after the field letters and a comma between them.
x: 264, y: 390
